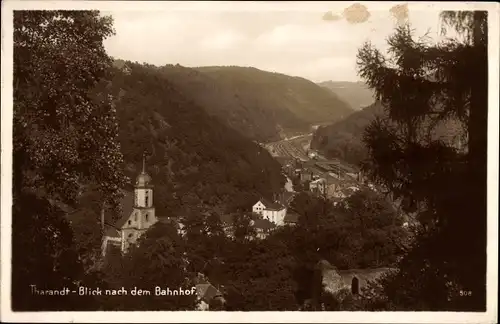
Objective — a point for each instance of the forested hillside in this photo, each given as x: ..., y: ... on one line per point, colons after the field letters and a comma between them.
x: 356, y: 94
x: 261, y: 105
x: 344, y: 138
x: 193, y: 157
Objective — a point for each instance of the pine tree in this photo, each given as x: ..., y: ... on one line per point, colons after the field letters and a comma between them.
x: 428, y: 90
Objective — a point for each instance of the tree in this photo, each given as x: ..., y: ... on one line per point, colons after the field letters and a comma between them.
x: 44, y: 257
x: 205, y: 241
x: 157, y: 260
x: 65, y: 136
x: 260, y: 276
x: 376, y: 209
x: 243, y: 228
x: 87, y: 237
x: 427, y: 88
x: 309, y: 209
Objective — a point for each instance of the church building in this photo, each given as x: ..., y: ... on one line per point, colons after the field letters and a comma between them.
x: 138, y: 215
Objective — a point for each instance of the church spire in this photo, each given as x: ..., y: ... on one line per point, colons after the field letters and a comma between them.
x: 144, y: 162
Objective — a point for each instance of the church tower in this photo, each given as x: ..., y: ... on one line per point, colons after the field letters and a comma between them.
x: 143, y: 198
x: 134, y: 222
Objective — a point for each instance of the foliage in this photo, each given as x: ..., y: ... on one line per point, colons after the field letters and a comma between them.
x: 252, y: 274
x: 87, y: 236
x: 65, y: 137
x: 260, y: 276
x: 243, y: 229
x: 157, y: 260
x: 423, y: 86
x: 205, y: 242
x: 44, y: 255
x: 364, y: 232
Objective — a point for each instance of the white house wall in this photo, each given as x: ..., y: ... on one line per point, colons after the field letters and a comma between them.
x: 258, y: 208
x: 280, y: 219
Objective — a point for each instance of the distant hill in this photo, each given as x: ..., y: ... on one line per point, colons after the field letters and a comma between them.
x: 261, y: 105
x: 194, y: 158
x: 356, y: 94
x: 344, y: 138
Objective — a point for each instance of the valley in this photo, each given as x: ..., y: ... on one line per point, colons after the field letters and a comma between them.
x: 294, y: 147
x: 252, y: 189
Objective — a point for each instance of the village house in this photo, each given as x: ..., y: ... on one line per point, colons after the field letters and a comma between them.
x: 305, y: 175
x: 291, y: 218
x: 227, y: 222
x: 327, y: 187
x: 340, y: 170
x: 289, y: 170
x: 208, y: 294
x: 138, y: 216
x: 318, y: 186
x: 273, y: 211
x: 263, y: 227
x: 351, y: 171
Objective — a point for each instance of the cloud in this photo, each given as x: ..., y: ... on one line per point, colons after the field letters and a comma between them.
x: 295, y: 36
x: 329, y: 16
x: 294, y: 42
x: 356, y: 13
x: 400, y: 12
x: 223, y: 40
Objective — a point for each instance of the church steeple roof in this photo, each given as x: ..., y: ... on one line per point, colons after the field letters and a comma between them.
x: 143, y: 179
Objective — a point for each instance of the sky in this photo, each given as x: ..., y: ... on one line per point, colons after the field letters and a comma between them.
x: 315, y: 40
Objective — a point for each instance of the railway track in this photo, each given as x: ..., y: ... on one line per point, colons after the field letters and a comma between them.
x: 291, y: 148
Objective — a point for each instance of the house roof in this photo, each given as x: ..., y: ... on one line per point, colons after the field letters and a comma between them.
x: 332, y: 179
x: 319, y: 180
x: 127, y: 206
x: 111, y: 232
x: 287, y: 196
x: 263, y: 224
x: 201, y: 279
x: 291, y: 217
x: 337, y: 166
x: 349, y: 168
x: 207, y: 292
x: 271, y: 205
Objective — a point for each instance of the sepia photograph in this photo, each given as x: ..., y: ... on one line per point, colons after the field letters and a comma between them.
x: 266, y: 157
